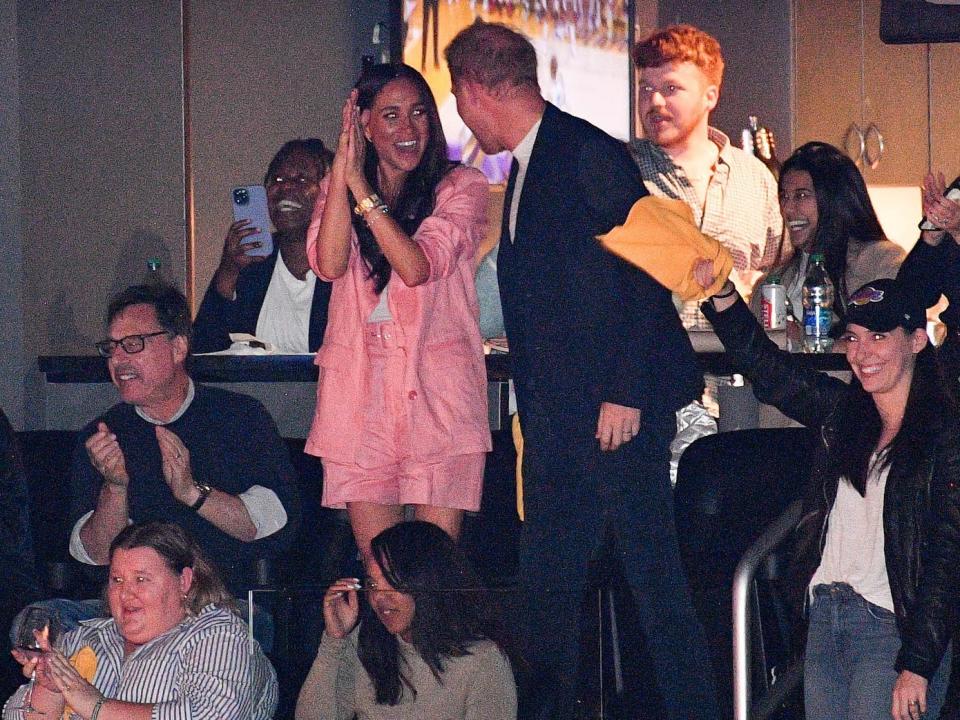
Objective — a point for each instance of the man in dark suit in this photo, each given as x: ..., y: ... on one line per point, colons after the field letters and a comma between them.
x: 601, y: 364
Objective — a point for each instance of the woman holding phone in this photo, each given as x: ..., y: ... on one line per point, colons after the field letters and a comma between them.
x: 401, y: 416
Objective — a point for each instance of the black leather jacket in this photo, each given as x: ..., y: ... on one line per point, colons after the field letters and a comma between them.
x: 921, y: 508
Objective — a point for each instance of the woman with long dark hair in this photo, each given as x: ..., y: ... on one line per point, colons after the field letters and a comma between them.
x: 826, y: 208
x: 430, y: 643
x: 401, y: 415
x: 877, y: 554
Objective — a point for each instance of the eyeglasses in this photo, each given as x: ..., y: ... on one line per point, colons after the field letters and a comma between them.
x: 131, y: 343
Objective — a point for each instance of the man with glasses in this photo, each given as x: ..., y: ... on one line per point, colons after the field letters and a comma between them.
x: 174, y: 451
x: 275, y: 297
x: 207, y: 459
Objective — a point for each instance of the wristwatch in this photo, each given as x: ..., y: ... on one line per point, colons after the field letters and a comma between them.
x: 205, y: 491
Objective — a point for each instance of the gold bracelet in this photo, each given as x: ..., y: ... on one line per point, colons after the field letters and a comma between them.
x: 367, y: 204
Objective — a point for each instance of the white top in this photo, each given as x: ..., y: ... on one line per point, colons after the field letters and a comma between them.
x: 521, y: 154
x: 381, y: 313
x: 284, y: 320
x: 853, y: 553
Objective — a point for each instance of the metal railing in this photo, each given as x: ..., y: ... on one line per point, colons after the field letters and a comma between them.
x: 743, y: 578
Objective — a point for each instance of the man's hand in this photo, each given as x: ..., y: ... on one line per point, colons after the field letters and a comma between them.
x: 235, y: 258
x: 175, y: 459
x: 617, y: 424
x: 107, y: 457
x: 909, y: 696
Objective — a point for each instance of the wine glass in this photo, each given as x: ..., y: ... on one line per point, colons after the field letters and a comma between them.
x: 36, y: 621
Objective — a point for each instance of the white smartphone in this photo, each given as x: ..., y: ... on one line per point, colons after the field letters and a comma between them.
x: 952, y: 194
x: 250, y: 203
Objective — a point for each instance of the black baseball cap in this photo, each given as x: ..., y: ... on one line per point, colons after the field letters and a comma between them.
x: 885, y: 304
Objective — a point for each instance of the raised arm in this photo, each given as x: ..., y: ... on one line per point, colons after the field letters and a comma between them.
x: 778, y: 378
x: 332, y: 247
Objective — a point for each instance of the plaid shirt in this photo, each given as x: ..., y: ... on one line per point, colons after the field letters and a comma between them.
x: 741, y: 210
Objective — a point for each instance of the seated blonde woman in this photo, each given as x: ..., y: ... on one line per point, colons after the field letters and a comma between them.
x: 171, y: 648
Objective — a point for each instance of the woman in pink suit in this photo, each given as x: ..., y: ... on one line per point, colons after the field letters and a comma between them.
x: 401, y: 415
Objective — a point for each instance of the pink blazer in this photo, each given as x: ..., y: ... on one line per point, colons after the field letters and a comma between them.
x: 438, y: 327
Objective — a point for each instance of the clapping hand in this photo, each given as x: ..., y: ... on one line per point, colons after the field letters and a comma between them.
x: 106, y: 456
x: 937, y: 207
x: 349, y: 159
x: 175, y: 463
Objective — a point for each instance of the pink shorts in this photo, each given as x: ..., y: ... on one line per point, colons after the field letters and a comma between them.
x: 385, y: 471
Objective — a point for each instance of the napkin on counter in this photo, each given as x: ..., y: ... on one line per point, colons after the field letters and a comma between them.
x: 660, y: 237
x: 246, y: 344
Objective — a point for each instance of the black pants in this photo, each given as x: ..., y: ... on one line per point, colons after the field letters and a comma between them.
x: 572, y: 494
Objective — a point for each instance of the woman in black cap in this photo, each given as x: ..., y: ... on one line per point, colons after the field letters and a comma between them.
x: 877, y: 556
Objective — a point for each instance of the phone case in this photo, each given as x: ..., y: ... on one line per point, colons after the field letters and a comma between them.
x: 250, y: 203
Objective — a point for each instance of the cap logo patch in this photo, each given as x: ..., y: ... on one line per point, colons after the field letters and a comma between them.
x: 868, y: 294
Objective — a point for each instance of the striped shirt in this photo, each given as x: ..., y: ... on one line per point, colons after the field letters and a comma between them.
x: 205, y: 668
x: 741, y: 210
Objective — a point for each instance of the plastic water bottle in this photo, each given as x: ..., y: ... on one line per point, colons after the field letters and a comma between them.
x: 817, y: 307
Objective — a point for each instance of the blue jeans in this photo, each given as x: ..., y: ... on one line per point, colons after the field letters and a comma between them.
x: 852, y: 646
x: 72, y: 612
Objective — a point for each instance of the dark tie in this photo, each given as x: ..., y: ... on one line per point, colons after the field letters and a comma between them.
x: 508, y: 200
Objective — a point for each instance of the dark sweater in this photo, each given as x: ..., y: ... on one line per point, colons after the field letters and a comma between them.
x: 233, y: 444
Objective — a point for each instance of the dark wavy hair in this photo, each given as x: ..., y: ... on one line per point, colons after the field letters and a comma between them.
x: 453, y: 610
x: 416, y: 199
x: 845, y: 213
x: 858, y: 424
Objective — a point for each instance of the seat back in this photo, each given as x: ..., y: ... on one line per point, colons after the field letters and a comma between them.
x: 730, y: 487
x: 47, y: 457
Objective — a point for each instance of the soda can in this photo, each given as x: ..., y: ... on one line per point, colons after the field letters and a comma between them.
x: 773, y: 306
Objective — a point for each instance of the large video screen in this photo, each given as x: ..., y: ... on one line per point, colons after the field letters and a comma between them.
x: 583, y: 62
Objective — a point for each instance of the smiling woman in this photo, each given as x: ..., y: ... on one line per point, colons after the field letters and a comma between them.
x: 878, y: 545
x: 201, y: 664
x: 430, y: 644
x: 401, y: 415
x: 826, y: 208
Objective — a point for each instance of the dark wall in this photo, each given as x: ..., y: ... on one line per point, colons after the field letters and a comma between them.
x: 755, y: 36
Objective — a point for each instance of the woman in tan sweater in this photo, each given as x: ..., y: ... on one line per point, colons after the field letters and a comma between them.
x: 826, y: 208
x: 429, y: 646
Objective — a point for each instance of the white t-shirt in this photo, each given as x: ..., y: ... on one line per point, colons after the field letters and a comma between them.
x: 284, y: 320
x: 853, y: 553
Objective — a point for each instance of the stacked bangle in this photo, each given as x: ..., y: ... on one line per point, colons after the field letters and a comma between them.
x: 371, y: 202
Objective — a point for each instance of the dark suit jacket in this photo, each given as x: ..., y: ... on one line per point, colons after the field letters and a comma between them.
x: 218, y: 317
x: 585, y: 327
